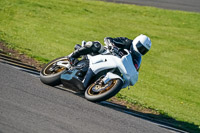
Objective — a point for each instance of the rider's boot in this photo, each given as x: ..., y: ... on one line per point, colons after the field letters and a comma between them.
x: 87, y: 78
x: 71, y: 60
x: 73, y: 57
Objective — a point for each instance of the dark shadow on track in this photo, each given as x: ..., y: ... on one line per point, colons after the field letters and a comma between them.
x: 164, y: 120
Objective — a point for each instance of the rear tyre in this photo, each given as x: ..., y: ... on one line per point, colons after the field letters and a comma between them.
x: 99, y: 91
x: 49, y: 77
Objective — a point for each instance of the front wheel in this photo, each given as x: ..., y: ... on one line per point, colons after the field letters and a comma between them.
x: 50, y: 73
x: 99, y: 91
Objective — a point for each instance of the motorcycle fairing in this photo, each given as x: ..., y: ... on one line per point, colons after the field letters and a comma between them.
x: 70, y: 79
x: 125, y: 65
x: 129, y: 73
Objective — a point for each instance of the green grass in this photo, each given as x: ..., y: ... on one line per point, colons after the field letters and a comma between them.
x: 169, y: 77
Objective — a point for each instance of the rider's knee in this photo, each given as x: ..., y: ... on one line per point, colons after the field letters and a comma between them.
x: 95, y: 46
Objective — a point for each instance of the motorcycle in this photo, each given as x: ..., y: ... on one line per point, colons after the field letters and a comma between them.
x: 112, y: 72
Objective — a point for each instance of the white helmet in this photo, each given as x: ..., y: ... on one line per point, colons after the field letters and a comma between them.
x: 141, y: 44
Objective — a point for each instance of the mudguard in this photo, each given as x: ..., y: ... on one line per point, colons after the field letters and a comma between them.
x: 109, y: 76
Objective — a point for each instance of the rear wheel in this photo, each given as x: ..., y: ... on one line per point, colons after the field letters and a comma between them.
x: 99, y: 91
x: 50, y: 73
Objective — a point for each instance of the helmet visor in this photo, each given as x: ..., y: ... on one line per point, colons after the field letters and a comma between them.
x: 141, y: 48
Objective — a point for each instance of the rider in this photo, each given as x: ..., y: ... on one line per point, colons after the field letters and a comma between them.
x: 137, y: 47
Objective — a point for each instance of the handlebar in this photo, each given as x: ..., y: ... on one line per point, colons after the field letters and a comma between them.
x: 119, y: 52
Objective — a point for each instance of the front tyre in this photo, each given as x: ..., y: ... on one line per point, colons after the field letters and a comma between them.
x: 99, y: 91
x: 50, y: 73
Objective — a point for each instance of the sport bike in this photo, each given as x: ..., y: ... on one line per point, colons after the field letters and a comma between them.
x: 111, y: 70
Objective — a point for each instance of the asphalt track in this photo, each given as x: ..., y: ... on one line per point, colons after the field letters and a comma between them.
x: 185, y: 5
x: 28, y: 106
